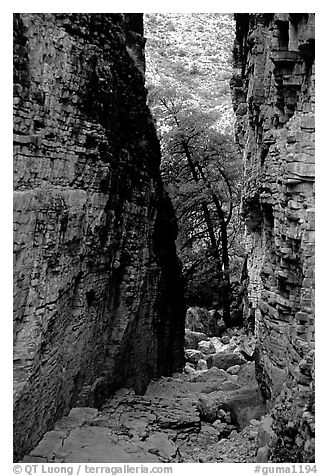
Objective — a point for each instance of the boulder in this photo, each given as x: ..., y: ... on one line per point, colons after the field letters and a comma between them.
x: 159, y: 444
x: 232, y: 344
x: 207, y: 347
x: 213, y: 374
x: 193, y: 355
x: 208, y: 408
x: 219, y: 347
x: 233, y: 370
x: 188, y: 369
x: 207, y: 436
x: 246, y: 374
x: 246, y: 348
x: 225, y: 343
x: 234, y: 378
x: 192, y: 339
x: 212, y: 386
x: 224, y: 360
x: 202, y: 365
x: 243, y: 404
x: 221, y: 384
x: 228, y: 385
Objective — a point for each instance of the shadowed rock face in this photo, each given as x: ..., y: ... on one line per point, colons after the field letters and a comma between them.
x: 98, y: 298
x: 273, y: 91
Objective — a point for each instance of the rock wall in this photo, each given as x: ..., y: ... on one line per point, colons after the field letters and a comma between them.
x: 273, y: 94
x: 98, y: 298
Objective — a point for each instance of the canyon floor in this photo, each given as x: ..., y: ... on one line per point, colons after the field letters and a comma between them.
x: 199, y: 415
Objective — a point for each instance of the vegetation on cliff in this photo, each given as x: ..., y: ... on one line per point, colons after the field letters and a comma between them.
x: 187, y: 74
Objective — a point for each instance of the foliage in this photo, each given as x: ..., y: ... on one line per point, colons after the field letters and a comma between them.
x: 201, y: 169
x: 192, y: 52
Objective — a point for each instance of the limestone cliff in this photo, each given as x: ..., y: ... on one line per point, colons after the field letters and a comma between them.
x: 98, y: 299
x: 273, y: 92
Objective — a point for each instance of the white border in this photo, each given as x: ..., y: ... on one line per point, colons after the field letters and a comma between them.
x: 169, y: 6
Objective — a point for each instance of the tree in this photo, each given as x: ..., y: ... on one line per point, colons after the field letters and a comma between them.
x: 201, y: 170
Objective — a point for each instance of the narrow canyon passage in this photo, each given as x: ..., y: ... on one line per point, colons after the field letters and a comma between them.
x: 207, y: 415
x: 163, y: 237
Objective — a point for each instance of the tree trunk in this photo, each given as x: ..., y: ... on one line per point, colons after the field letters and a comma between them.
x: 226, y: 288
x: 226, y: 275
x: 206, y: 212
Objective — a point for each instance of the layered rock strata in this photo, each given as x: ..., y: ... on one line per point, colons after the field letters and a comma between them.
x: 98, y: 299
x: 273, y: 93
